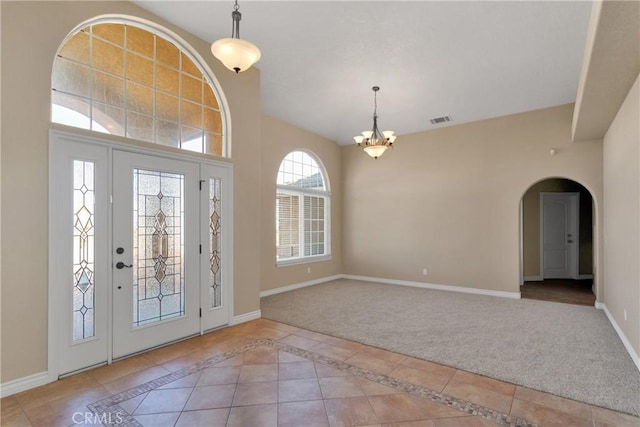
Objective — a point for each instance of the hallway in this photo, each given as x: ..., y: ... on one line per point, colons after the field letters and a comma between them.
x: 560, y: 290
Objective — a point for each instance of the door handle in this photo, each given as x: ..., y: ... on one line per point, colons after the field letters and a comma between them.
x: 569, y: 241
x: 120, y: 265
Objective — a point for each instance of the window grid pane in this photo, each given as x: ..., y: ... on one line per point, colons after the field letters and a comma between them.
x: 300, y: 170
x: 287, y: 226
x: 313, y: 226
x: 150, y: 86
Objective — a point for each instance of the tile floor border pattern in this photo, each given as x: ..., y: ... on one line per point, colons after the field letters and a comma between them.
x: 109, y: 409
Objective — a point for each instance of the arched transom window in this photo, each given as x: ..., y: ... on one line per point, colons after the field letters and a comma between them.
x: 122, y: 79
x: 302, y: 210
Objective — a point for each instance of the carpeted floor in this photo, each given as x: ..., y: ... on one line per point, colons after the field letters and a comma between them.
x: 567, y: 350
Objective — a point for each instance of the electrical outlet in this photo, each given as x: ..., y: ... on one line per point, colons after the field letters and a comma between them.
x: 308, y: 270
x: 625, y: 314
x: 424, y: 271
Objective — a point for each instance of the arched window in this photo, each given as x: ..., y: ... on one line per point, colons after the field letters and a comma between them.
x: 127, y: 79
x: 302, y: 210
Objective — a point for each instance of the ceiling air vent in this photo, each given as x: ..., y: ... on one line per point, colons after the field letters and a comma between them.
x: 438, y: 120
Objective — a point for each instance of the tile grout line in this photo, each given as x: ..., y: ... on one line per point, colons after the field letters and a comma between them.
x: 109, y: 407
x: 324, y: 405
x: 449, y: 380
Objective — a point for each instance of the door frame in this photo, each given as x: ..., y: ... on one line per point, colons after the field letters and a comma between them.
x: 111, y: 142
x: 575, y: 264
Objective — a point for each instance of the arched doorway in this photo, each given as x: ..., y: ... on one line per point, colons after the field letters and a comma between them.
x: 558, y: 242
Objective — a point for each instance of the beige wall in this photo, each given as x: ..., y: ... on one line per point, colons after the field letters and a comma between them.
x: 31, y: 34
x: 278, y: 139
x: 448, y: 199
x: 531, y: 224
x: 622, y: 217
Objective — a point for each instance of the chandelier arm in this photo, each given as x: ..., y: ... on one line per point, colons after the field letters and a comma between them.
x: 375, y: 102
x: 376, y: 132
x: 377, y: 136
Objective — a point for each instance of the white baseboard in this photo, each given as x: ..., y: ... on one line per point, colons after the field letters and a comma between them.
x: 623, y: 338
x: 477, y: 291
x: 503, y: 294
x: 25, y: 383
x: 299, y: 285
x: 599, y: 305
x: 252, y: 315
x: 42, y: 378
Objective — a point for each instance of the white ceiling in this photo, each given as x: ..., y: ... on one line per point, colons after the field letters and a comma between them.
x: 470, y: 60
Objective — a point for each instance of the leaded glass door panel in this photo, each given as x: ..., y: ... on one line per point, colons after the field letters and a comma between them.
x: 156, y: 278
x: 216, y: 211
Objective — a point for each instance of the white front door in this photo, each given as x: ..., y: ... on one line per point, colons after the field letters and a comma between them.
x: 140, y: 250
x: 559, y: 222
x: 156, y: 282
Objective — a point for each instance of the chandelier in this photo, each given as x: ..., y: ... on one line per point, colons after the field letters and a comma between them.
x: 235, y: 53
x: 375, y: 143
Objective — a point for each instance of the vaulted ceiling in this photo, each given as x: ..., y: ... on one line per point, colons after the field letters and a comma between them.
x: 469, y: 60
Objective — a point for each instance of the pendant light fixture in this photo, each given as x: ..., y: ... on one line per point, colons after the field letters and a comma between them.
x: 235, y: 53
x: 375, y: 143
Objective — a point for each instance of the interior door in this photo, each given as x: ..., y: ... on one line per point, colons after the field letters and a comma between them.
x: 559, y: 235
x: 156, y: 278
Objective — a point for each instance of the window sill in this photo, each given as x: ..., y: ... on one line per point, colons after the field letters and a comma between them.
x: 305, y: 260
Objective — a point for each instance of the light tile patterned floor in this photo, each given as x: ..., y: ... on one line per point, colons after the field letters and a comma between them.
x: 264, y: 373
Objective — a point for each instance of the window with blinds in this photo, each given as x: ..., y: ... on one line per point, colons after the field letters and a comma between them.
x: 302, y: 206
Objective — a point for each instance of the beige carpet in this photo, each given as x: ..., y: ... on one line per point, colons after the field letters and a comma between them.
x: 567, y: 350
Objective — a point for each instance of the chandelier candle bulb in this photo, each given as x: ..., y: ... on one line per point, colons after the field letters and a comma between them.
x: 374, y: 142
